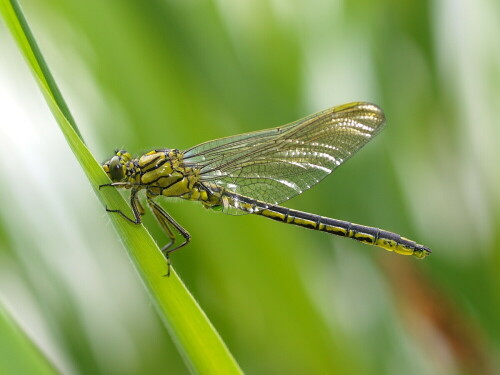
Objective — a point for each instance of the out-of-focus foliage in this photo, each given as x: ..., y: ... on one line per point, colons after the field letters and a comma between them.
x: 151, y: 74
x: 18, y: 355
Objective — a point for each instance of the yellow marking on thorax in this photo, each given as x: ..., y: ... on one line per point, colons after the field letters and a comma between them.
x: 197, y: 195
x: 151, y: 160
x: 176, y: 159
x: 162, y: 176
x: 177, y: 189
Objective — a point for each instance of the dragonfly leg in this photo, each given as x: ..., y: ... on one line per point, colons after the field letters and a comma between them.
x: 137, y: 208
x: 168, y: 223
x: 114, y: 184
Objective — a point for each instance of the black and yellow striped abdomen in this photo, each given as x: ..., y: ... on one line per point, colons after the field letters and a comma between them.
x: 369, y: 235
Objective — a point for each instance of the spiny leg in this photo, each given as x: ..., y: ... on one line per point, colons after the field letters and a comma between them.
x: 166, y: 226
x: 167, y: 222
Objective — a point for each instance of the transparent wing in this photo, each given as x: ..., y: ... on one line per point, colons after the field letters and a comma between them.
x: 274, y: 165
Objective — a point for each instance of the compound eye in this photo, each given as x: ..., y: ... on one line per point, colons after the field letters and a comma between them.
x: 116, y: 169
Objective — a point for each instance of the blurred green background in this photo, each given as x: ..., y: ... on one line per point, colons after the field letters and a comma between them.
x: 140, y: 75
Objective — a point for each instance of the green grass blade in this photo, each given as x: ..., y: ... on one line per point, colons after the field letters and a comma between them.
x: 198, y: 342
x: 18, y: 354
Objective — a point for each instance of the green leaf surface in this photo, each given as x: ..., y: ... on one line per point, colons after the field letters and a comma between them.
x: 18, y: 354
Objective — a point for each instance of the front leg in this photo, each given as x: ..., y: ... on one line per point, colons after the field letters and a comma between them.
x: 136, y: 206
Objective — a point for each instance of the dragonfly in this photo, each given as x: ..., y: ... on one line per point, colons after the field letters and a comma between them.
x: 253, y: 173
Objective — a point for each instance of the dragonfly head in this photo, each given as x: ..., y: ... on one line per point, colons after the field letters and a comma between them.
x: 116, y: 167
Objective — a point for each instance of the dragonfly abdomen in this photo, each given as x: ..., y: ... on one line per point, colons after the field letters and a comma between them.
x: 369, y: 235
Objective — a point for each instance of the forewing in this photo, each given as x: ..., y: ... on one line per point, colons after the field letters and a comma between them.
x: 276, y: 164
